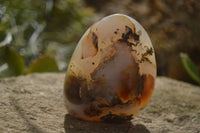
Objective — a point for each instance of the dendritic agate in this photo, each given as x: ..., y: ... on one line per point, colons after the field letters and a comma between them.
x: 112, y: 71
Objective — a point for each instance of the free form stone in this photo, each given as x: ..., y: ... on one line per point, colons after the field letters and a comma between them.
x: 112, y: 71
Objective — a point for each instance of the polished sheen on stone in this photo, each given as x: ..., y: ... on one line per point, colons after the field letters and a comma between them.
x: 112, y: 71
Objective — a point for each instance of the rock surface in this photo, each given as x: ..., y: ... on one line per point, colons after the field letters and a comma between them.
x: 34, y: 104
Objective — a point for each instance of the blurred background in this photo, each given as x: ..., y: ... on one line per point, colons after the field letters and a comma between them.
x: 40, y: 35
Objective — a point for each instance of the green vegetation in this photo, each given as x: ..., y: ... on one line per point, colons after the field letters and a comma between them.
x: 47, y: 30
x: 43, y: 64
x: 190, y: 67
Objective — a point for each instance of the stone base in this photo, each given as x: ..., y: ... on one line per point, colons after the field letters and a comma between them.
x: 34, y: 104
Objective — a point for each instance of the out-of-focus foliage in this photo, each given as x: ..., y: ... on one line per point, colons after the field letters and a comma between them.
x: 43, y: 63
x: 190, y: 67
x: 13, y: 62
x: 30, y: 28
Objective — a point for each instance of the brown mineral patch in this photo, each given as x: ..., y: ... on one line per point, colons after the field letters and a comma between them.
x: 71, y: 87
x: 89, y: 45
x: 147, y: 90
x: 92, y: 111
x: 113, y: 118
x: 108, y: 54
x: 129, y: 83
x: 95, y: 40
x: 140, y: 86
x: 101, y: 102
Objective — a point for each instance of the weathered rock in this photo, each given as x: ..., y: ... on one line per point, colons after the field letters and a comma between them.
x: 34, y: 104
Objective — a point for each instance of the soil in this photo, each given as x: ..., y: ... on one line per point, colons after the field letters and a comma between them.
x: 34, y: 104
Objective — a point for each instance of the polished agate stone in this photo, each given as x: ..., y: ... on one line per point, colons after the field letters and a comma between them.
x: 112, y: 71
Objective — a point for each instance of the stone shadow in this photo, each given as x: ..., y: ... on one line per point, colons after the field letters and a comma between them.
x: 73, y: 125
